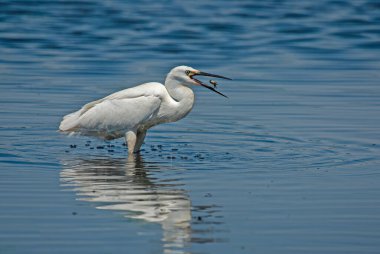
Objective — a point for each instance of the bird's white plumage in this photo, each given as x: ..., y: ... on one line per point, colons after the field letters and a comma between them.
x: 117, y: 113
x: 131, y: 112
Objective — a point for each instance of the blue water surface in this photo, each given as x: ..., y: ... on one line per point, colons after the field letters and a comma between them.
x: 288, y: 164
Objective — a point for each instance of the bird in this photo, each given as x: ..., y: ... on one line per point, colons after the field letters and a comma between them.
x: 129, y: 113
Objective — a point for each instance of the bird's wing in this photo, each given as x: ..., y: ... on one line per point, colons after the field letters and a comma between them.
x: 147, y: 89
x: 120, y: 114
x: 119, y: 111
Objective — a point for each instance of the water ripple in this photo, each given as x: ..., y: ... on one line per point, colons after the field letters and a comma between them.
x: 289, y: 163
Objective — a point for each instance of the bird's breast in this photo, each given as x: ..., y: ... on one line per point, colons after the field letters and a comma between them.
x: 173, y: 111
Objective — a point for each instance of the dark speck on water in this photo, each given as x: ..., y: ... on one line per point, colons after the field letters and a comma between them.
x: 288, y: 164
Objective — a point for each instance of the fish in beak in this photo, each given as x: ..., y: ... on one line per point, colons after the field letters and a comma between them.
x: 201, y: 73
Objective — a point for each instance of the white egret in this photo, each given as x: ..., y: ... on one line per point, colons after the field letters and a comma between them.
x: 131, y: 112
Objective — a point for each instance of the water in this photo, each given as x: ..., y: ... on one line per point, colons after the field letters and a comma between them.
x: 289, y: 163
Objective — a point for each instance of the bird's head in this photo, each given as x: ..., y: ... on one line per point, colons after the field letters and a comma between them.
x: 186, y: 76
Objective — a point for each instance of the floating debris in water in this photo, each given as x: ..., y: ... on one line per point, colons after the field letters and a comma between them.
x: 73, y: 146
x: 199, y: 156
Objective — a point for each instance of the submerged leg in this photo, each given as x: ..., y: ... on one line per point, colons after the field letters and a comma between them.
x: 140, y: 140
x: 130, y: 139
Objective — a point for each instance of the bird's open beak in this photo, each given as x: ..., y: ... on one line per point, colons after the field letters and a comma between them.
x: 201, y: 73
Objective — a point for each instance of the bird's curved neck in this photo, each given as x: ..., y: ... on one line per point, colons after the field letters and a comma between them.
x: 179, y: 92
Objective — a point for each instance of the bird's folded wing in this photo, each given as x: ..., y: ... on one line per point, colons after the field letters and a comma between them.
x: 120, y: 114
x: 143, y: 90
x: 124, y: 108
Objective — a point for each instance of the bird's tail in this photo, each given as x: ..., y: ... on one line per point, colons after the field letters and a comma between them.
x: 70, y: 122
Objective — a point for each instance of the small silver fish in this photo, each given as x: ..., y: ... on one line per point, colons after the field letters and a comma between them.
x: 213, y: 82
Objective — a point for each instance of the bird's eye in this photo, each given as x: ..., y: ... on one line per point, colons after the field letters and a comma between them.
x: 187, y: 72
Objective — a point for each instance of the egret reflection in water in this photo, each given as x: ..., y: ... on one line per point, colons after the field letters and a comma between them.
x: 126, y: 185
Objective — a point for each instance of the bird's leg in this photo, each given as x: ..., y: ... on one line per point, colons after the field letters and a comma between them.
x: 130, y: 139
x: 140, y: 139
